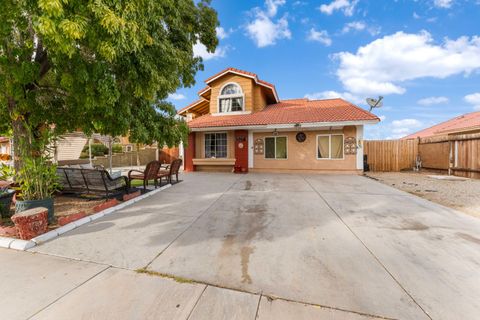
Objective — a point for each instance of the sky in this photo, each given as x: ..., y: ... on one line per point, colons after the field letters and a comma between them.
x: 422, y: 56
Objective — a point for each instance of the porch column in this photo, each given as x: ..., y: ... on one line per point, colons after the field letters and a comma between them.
x: 189, y: 153
x: 241, y: 150
x: 359, y: 130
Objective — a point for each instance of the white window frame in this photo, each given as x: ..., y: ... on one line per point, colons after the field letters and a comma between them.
x: 265, y: 147
x: 329, y: 135
x: 230, y: 96
x: 205, y: 145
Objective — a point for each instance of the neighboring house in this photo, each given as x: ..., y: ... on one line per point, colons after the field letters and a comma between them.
x: 69, y: 146
x: 4, y: 145
x: 240, y: 123
x: 464, y: 124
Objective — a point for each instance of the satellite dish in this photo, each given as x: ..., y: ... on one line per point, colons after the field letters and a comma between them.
x: 375, y: 103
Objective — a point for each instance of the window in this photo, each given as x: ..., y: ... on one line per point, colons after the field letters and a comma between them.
x: 276, y: 148
x: 330, y: 146
x: 216, y: 145
x: 230, y: 98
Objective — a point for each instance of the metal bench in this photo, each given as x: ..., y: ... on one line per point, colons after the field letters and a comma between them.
x: 91, y: 181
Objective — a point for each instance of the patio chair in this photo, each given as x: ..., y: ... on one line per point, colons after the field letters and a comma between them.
x: 150, y: 173
x: 170, y: 170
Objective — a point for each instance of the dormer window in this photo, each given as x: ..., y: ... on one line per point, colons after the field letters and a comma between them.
x: 231, y: 98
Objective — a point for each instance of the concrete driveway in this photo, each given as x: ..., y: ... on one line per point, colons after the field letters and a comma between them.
x: 343, y: 242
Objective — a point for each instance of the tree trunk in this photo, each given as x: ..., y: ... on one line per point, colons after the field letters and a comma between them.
x: 18, y: 132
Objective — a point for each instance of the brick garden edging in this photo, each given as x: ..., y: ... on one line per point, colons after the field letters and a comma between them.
x: 75, y: 215
x: 23, y: 245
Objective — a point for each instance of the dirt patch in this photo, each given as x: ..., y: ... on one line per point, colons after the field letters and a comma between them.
x: 462, y: 195
x: 64, y: 205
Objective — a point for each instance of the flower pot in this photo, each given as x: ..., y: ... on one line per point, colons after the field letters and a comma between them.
x: 22, y: 205
x: 6, y: 202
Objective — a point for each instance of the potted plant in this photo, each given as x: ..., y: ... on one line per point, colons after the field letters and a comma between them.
x: 6, y: 194
x: 38, y: 181
x: 37, y: 176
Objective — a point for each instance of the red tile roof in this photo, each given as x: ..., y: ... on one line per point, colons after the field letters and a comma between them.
x: 466, y: 122
x: 289, y: 112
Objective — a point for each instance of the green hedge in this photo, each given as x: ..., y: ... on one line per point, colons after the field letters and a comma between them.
x: 99, y: 149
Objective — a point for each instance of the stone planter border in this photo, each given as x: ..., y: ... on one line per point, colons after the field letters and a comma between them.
x: 23, y: 245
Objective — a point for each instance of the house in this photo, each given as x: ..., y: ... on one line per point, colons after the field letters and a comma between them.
x: 464, y: 124
x: 239, y: 123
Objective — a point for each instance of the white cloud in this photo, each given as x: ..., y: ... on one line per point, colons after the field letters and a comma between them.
x: 432, y: 100
x: 381, y: 66
x: 360, y: 26
x: 199, y: 50
x: 263, y: 29
x: 319, y: 36
x: 382, y: 117
x: 176, y: 96
x: 333, y: 95
x: 403, y: 127
x: 346, y: 6
x: 443, y: 3
x: 222, y: 33
x: 416, y: 15
x: 473, y: 99
x: 354, y: 25
x: 272, y: 6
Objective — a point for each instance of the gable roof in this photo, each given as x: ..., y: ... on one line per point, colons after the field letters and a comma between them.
x: 241, y: 73
x: 465, y: 122
x: 290, y: 112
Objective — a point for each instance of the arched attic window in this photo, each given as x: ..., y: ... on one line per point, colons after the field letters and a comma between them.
x: 231, y: 98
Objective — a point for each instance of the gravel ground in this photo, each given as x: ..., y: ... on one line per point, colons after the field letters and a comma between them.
x: 463, y: 195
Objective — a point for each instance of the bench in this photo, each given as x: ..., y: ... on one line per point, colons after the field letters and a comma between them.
x: 91, y: 181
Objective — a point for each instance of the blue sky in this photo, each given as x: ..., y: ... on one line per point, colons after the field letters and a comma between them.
x: 423, y: 56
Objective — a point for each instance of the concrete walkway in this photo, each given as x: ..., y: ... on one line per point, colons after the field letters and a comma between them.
x: 256, y: 246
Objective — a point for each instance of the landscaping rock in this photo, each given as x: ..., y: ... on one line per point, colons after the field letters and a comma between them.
x: 105, y: 205
x: 31, y: 223
x: 70, y: 217
x: 132, y: 195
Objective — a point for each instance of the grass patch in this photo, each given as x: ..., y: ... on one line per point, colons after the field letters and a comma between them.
x: 139, y: 183
x: 163, y: 275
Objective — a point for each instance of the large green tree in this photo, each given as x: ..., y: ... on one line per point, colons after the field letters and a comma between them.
x: 103, y: 66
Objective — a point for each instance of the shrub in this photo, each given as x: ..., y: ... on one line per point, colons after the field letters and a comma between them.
x: 98, y: 150
x: 117, y: 148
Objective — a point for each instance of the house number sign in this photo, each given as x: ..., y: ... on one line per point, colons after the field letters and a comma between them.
x: 258, y: 146
x: 350, y: 145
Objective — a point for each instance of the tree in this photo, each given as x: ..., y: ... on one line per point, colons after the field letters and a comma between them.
x: 102, y: 66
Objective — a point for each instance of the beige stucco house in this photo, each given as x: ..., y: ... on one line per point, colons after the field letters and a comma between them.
x: 240, y: 124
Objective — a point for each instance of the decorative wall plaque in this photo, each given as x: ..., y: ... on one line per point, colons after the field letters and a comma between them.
x: 301, y: 137
x: 350, y: 145
x: 258, y: 146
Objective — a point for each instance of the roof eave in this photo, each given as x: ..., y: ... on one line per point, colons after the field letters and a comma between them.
x: 306, y: 125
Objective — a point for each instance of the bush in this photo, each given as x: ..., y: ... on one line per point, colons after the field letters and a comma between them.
x: 98, y: 149
x: 117, y: 148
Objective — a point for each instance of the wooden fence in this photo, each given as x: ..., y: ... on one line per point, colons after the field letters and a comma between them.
x: 455, y: 154
x: 391, y: 155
